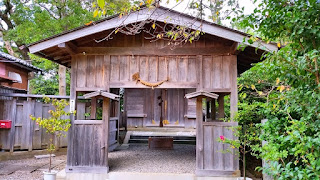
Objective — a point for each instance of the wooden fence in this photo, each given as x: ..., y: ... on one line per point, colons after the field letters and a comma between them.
x: 25, y: 134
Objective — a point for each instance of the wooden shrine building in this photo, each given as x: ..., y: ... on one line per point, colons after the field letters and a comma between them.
x: 163, y: 85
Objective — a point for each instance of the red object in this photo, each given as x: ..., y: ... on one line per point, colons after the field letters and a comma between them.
x: 5, y: 124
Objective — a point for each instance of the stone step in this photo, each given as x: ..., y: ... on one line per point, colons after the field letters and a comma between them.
x: 174, y: 137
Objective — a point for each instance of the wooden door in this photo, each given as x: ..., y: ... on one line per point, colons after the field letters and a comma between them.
x: 175, y: 107
x: 210, y: 159
x: 90, y: 140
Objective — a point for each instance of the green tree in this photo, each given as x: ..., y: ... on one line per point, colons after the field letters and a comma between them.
x: 55, y: 125
x: 287, y: 83
x: 42, y: 18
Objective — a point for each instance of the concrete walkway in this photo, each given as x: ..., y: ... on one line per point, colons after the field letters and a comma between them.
x: 135, y: 176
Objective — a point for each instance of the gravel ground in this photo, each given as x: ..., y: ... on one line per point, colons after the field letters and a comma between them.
x: 137, y: 158
x: 26, y: 165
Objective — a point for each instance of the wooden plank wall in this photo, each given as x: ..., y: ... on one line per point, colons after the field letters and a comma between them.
x: 135, y: 107
x: 25, y: 134
x: 212, y: 72
x: 143, y: 110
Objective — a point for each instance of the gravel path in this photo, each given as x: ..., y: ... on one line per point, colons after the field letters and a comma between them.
x: 25, y: 166
x: 138, y: 158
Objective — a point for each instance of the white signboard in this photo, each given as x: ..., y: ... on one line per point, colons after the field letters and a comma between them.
x: 72, y: 105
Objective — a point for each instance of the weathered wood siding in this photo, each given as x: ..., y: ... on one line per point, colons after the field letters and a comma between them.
x: 25, y: 134
x: 207, y: 64
x: 115, y: 71
x: 143, y: 110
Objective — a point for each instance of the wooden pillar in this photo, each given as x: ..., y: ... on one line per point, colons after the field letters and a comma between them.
x: 105, y: 132
x: 234, y: 88
x: 199, y: 120
x: 221, y: 106
x: 213, y: 109
x: 93, y: 111
x: 62, y: 80
x: 73, y: 102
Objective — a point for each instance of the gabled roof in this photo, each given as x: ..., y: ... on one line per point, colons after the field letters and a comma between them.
x: 103, y: 94
x: 160, y: 14
x: 201, y: 93
x: 18, y: 62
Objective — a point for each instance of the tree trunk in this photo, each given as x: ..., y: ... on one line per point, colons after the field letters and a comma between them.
x: 24, y: 53
x: 62, y: 69
x: 9, y: 48
x: 62, y: 80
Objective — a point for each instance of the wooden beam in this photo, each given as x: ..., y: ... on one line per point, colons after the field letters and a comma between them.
x: 66, y: 61
x: 54, y: 53
x: 234, y: 48
x: 87, y: 122
x: 153, y: 51
x: 69, y: 47
x: 217, y: 90
x: 62, y: 58
x: 36, y: 96
x: 136, y: 115
x: 165, y: 85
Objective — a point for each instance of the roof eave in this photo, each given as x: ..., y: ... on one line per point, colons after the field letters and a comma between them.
x: 159, y: 14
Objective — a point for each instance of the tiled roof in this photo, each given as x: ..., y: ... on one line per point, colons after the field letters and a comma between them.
x: 22, y: 63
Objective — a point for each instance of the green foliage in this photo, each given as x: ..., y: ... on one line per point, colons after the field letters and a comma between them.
x: 55, y: 125
x: 47, y: 83
x: 40, y: 19
x: 43, y: 18
x: 287, y: 86
x: 111, y: 7
x: 247, y: 131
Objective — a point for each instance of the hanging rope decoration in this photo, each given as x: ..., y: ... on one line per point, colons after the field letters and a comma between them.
x: 136, y: 77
